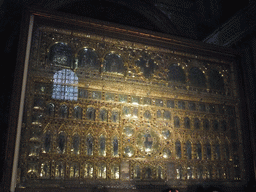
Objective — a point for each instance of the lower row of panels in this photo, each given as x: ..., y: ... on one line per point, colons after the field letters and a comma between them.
x: 130, y: 170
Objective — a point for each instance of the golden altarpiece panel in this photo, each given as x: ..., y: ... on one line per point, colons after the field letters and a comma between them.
x: 113, y: 111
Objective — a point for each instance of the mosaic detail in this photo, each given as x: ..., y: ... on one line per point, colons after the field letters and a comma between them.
x: 103, y: 109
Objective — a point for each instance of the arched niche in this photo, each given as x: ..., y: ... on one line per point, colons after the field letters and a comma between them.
x: 196, y: 77
x: 215, y: 80
x: 87, y: 58
x: 60, y: 54
x: 113, y: 63
x: 176, y: 74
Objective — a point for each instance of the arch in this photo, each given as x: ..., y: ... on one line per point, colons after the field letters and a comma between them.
x: 209, y: 172
x: 75, y: 144
x: 113, y: 63
x: 88, y: 58
x: 45, y: 170
x: 102, y: 145
x: 103, y: 114
x: 78, y: 112
x: 176, y: 122
x: 179, y: 172
x: 115, y: 116
x: 196, y: 123
x: 176, y: 74
x: 50, y: 109
x: 215, y: 80
x: 89, y: 145
x: 148, y: 173
x: 90, y: 113
x: 208, y: 150
x: 64, y: 111
x: 135, y: 112
x: 187, y: 123
x: 198, y: 151
x: 189, y: 172
x: 126, y: 111
x: 188, y: 150
x: 136, y: 172
x: 47, y: 142
x: 115, y: 171
x: 226, y: 150
x: 217, y: 151
x: 196, y: 77
x: 102, y: 171
x: 59, y: 170
x: 206, y: 124
x: 167, y: 115
x: 159, y: 173
x: 65, y: 85
x: 200, y: 172
x: 146, y: 65
x: 115, y: 146
x: 178, y: 149
x: 61, y: 142
x: 60, y: 54
x: 147, y: 114
x: 88, y: 170
x: 74, y: 170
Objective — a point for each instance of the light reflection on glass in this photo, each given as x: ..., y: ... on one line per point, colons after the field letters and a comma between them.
x: 136, y: 172
x: 88, y: 170
x: 45, y: 170
x: 59, y: 171
x: 102, y: 146
x: 74, y: 170
x: 115, y: 146
x: 128, y: 150
x: 102, y: 171
x: 115, y: 171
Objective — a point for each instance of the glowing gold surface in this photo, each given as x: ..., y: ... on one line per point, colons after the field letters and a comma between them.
x: 120, y: 126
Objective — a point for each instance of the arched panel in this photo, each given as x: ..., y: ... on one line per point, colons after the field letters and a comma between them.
x: 113, y: 63
x: 176, y: 74
x: 196, y: 77
x: 146, y: 65
x: 216, y: 80
x: 61, y: 143
x: 64, y: 111
x: 188, y: 150
x: 90, y: 113
x: 60, y: 54
x: 78, y: 112
x: 88, y: 58
x: 178, y: 149
x: 89, y: 145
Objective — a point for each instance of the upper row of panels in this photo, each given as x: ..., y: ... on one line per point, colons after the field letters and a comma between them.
x: 60, y: 54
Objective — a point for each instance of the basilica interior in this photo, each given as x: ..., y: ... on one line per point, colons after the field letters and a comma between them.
x: 107, y: 110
